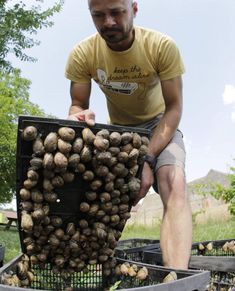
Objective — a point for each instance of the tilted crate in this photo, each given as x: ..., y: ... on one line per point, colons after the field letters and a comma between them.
x: 66, y: 208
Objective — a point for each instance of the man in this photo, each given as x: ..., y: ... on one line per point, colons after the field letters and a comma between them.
x: 139, y: 70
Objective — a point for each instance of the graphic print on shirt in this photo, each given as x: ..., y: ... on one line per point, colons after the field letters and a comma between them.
x: 127, y: 88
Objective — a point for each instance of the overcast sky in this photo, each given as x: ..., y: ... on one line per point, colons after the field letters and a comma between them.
x: 205, y: 33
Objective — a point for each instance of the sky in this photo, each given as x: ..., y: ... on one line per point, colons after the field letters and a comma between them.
x: 204, y: 31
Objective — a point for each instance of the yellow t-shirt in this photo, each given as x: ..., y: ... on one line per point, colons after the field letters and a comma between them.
x: 129, y: 79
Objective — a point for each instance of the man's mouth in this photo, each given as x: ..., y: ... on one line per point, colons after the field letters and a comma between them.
x: 110, y: 31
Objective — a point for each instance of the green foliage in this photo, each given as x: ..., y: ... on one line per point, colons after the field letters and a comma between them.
x: 14, y: 101
x: 227, y: 194
x: 115, y: 286
x: 204, y: 189
x: 18, y: 23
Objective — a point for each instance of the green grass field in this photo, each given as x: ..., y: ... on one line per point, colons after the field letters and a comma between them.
x: 10, y: 239
x: 213, y: 230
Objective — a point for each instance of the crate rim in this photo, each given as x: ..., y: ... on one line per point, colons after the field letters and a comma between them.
x: 170, y: 287
x: 217, y: 263
x: 73, y: 123
x: 213, y: 241
x: 190, y: 271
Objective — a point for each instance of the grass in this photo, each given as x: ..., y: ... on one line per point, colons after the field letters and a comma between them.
x: 10, y: 239
x: 212, y: 230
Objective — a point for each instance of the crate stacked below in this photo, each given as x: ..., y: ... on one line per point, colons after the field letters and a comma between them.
x: 216, y: 256
x: 131, y: 275
x: 40, y: 277
x: 146, y: 278
x: 2, y: 254
x: 132, y: 249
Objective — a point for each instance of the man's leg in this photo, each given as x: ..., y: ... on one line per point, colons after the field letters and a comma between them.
x: 176, y: 230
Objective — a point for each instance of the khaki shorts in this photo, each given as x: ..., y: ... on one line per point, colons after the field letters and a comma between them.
x: 173, y: 153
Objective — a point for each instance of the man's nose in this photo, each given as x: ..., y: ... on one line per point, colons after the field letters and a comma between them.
x: 109, y: 21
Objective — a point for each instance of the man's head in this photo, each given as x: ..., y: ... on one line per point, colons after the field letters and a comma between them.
x: 113, y: 20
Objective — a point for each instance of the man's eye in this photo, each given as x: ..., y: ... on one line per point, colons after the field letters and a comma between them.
x: 118, y: 13
x: 115, y: 13
x: 97, y: 15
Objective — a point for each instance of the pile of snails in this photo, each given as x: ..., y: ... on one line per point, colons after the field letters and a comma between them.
x: 110, y: 163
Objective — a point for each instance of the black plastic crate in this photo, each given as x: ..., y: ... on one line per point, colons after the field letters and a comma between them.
x: 214, y: 259
x: 187, y: 280
x: 222, y: 281
x: 133, y: 249
x: 2, y: 254
x: 70, y: 195
x: 220, y: 276
x: 45, y: 279
x: 216, y: 250
x: 220, y: 263
x: 153, y: 256
x: 136, y: 242
x: 211, y: 255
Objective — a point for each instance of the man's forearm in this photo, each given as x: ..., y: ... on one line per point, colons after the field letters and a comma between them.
x: 164, y: 131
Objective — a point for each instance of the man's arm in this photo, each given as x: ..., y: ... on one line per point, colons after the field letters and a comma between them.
x: 172, y: 94
x: 80, y: 97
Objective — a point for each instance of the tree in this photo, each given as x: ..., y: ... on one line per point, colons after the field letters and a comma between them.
x: 14, y: 101
x: 227, y: 193
x: 18, y: 23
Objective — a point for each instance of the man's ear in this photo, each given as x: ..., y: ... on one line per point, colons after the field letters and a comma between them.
x: 135, y: 8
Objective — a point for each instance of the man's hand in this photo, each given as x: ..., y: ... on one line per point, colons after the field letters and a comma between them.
x: 86, y: 115
x: 147, y: 180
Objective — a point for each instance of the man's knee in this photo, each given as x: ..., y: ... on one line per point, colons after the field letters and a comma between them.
x: 170, y: 178
x: 171, y: 185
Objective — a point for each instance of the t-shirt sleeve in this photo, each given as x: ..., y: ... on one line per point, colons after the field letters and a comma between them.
x: 169, y: 63
x: 77, y: 69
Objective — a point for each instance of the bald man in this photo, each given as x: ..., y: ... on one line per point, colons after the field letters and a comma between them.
x: 139, y: 71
